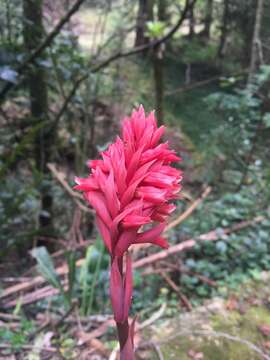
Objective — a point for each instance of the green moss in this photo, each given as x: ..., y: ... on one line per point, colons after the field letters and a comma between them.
x: 213, y: 344
x: 211, y: 348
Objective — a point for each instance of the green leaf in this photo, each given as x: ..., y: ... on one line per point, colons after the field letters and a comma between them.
x: 266, y: 120
x: 84, y: 278
x: 155, y: 29
x: 18, y: 307
x: 46, y: 267
x: 221, y: 246
x: 71, y: 259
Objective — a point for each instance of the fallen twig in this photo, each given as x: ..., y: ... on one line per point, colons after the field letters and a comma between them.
x: 203, y: 278
x: 38, y: 280
x: 157, y: 350
x: 6, y: 346
x: 188, y: 244
x: 189, y: 210
x: 175, y: 288
x: 154, y: 317
x: 34, y: 296
x: 101, y: 330
x: 9, y: 317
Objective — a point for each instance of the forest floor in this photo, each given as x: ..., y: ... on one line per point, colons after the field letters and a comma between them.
x: 232, y: 329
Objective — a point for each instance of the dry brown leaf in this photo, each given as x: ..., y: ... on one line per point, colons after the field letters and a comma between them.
x: 99, y: 347
x: 232, y: 304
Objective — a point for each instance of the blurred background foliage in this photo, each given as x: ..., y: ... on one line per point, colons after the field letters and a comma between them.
x: 69, y: 72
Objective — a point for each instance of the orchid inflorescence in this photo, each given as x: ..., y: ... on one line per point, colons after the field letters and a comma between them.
x: 130, y: 188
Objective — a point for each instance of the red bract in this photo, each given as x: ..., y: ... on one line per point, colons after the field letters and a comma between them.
x: 129, y: 188
x: 132, y: 185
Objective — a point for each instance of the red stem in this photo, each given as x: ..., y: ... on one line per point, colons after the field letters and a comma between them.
x: 123, y: 328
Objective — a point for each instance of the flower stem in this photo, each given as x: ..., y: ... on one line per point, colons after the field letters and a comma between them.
x: 123, y: 330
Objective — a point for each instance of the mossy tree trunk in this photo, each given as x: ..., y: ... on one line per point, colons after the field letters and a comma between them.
x: 33, y: 33
x: 145, y: 13
x: 191, y: 19
x: 208, y: 19
x: 158, y: 66
x: 224, y: 28
x: 256, y: 48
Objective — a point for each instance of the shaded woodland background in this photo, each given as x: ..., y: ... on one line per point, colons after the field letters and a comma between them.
x: 69, y: 72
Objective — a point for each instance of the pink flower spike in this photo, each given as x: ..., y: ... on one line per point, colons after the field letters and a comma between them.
x: 131, y: 221
x: 152, y: 236
x: 131, y: 187
x: 125, y: 240
x: 105, y: 233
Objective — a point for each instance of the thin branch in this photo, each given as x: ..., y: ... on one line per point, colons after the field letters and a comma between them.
x: 203, y: 278
x: 175, y: 288
x: 76, y: 197
x: 201, y: 83
x: 122, y: 54
x: 152, y: 44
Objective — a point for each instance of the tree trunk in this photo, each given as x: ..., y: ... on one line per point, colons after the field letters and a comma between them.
x: 224, y: 29
x: 208, y: 19
x: 162, y: 10
x: 33, y: 32
x: 158, y: 82
x: 145, y: 13
x: 158, y: 67
x: 255, y: 57
x: 191, y: 22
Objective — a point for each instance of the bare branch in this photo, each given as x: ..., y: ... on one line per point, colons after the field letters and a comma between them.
x: 153, y: 44
x: 76, y: 197
x: 122, y: 54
